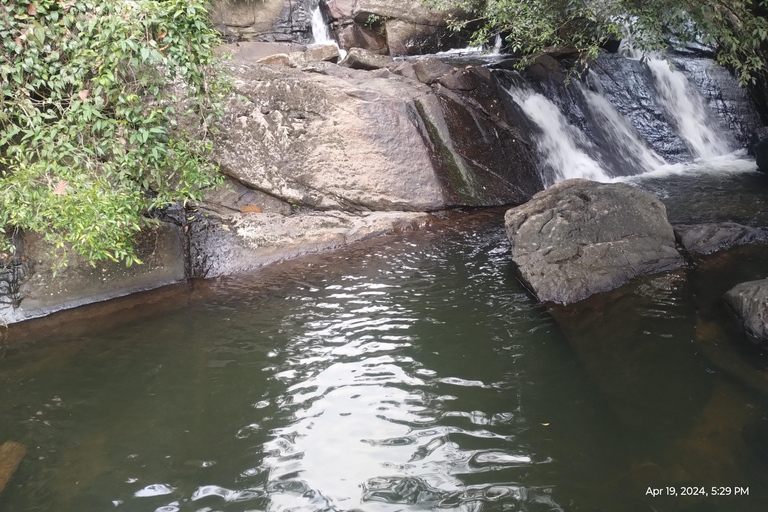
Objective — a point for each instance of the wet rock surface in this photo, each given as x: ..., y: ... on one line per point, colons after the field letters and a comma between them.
x: 227, y: 244
x: 730, y: 104
x: 708, y: 238
x: 578, y: 238
x: 630, y: 87
x: 46, y: 290
x: 760, y: 150
x: 749, y: 302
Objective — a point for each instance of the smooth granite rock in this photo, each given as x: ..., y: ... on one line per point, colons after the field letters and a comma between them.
x: 581, y: 237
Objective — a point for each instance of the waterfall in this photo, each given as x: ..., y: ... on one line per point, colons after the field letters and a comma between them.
x: 686, y: 107
x: 497, y: 44
x: 321, y: 33
x: 560, y: 145
x: 620, y: 134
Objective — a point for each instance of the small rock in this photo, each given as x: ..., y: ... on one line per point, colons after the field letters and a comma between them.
x: 405, y: 69
x: 429, y: 70
x: 322, y: 52
x: 278, y: 59
x: 749, y: 302
x: 251, y: 208
x: 358, y: 58
x: 708, y: 238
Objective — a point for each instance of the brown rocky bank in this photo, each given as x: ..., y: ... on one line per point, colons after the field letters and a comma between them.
x: 329, y: 155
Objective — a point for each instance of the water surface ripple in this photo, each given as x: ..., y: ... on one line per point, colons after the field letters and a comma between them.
x: 413, y: 374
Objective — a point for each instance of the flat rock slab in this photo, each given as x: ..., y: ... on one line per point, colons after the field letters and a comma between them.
x: 749, y: 302
x: 45, y: 291
x: 708, y: 238
x: 580, y: 237
x: 225, y: 245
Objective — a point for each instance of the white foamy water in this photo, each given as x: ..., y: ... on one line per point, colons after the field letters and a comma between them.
x: 621, y: 133
x: 686, y: 107
x: 731, y: 163
x: 560, y: 143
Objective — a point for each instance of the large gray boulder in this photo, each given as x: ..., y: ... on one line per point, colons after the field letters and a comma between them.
x: 581, y: 237
x: 265, y: 21
x: 403, y: 27
x: 339, y: 138
x: 749, y: 302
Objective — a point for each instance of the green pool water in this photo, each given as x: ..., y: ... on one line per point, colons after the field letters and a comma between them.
x: 411, y: 373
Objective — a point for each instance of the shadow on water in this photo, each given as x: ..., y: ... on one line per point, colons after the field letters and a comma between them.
x: 684, y: 382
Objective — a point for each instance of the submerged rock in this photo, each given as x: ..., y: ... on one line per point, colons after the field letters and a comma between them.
x: 580, y: 237
x: 708, y: 238
x: 749, y: 302
x: 227, y: 244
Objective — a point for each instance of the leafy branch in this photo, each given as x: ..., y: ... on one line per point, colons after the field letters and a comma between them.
x: 88, y: 92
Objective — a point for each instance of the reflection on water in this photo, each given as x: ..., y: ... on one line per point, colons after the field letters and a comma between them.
x: 412, y: 375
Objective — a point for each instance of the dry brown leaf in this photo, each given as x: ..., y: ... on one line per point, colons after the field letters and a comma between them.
x: 61, y: 188
x: 162, y: 34
x: 83, y: 95
x: 250, y: 208
x: 165, y: 47
x: 32, y: 9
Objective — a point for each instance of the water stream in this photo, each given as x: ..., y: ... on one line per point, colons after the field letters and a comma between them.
x: 685, y: 105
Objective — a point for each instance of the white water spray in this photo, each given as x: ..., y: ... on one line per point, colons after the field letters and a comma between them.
x: 621, y: 133
x: 560, y: 144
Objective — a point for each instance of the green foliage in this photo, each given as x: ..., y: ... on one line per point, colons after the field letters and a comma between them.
x: 88, y: 133
x: 529, y: 26
x: 372, y: 20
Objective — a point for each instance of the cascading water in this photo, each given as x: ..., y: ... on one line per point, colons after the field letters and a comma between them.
x: 685, y: 105
x: 621, y: 134
x: 591, y: 138
x: 562, y: 147
x: 321, y: 33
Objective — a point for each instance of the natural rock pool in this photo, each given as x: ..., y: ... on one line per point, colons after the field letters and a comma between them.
x: 409, y: 373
